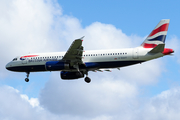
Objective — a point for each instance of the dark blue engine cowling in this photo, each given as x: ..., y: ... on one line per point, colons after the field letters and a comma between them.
x: 71, y: 75
x: 56, y: 65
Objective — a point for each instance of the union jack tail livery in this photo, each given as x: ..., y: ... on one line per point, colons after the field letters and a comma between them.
x: 158, y: 35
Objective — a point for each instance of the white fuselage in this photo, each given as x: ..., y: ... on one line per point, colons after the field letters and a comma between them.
x: 105, y: 58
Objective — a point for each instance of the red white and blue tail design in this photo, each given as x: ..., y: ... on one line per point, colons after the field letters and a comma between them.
x: 158, y: 35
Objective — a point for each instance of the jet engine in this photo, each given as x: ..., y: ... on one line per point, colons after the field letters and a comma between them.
x: 71, y: 75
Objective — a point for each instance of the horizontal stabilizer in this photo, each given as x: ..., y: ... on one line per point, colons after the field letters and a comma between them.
x: 157, y: 49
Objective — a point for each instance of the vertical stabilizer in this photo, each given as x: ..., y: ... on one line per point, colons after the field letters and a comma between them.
x: 158, y: 35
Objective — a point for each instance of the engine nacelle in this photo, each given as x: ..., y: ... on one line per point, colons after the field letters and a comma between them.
x: 71, y: 75
x: 56, y: 65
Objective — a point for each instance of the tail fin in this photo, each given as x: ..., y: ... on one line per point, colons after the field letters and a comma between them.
x: 158, y: 35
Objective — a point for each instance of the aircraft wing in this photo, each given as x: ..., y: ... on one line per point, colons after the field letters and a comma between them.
x: 74, y: 53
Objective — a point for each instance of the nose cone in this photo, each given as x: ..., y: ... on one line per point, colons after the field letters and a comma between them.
x: 8, y: 66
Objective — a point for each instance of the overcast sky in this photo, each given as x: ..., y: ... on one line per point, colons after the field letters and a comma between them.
x: 145, y: 91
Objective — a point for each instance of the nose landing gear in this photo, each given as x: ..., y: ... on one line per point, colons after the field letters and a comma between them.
x: 27, y: 79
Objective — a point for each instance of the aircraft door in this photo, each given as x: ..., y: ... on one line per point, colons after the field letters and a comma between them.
x: 135, y: 53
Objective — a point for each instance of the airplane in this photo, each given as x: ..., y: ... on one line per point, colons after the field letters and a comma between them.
x: 75, y: 63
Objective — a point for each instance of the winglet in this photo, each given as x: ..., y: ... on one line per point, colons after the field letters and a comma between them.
x: 82, y: 38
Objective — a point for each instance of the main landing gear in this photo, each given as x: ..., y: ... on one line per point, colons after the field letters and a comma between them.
x: 80, y: 75
x: 27, y: 79
x: 87, y: 79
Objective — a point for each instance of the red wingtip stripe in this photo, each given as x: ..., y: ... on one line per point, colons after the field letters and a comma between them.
x: 162, y: 28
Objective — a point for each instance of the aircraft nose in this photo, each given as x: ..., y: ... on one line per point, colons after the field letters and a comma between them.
x: 8, y: 66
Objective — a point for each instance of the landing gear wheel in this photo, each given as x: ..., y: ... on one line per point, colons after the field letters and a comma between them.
x: 87, y: 79
x: 27, y: 80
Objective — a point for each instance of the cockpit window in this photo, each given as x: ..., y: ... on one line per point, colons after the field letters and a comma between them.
x: 14, y: 59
